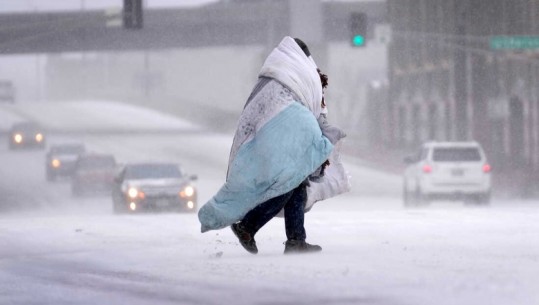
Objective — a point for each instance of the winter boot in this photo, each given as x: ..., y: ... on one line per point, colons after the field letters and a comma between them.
x: 292, y: 246
x: 246, y: 239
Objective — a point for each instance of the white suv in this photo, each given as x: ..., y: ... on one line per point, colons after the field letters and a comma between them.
x: 447, y: 170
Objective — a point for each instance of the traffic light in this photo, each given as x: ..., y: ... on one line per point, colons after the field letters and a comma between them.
x: 133, y: 14
x: 358, y: 29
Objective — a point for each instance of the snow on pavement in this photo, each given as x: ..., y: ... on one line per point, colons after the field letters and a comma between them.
x: 384, y: 255
x: 374, y: 250
x: 97, y: 115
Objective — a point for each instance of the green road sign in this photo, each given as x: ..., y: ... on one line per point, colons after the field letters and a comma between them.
x: 514, y: 42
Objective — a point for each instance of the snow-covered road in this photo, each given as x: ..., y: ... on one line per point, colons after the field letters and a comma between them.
x: 55, y: 249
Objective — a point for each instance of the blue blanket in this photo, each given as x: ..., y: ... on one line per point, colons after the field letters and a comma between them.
x: 283, y: 152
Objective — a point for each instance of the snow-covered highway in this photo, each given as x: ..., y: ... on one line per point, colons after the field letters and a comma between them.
x: 55, y: 249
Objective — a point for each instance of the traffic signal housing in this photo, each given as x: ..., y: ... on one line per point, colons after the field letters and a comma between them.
x: 358, y: 29
x: 132, y: 16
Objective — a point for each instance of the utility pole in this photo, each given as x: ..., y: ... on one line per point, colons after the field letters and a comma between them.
x: 147, y: 75
x: 38, y: 78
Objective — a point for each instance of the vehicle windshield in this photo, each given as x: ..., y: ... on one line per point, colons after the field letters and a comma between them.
x: 26, y: 127
x: 153, y: 171
x: 456, y: 154
x: 68, y: 150
x: 96, y: 163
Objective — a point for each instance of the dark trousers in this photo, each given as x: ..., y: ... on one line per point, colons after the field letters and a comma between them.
x: 293, y: 203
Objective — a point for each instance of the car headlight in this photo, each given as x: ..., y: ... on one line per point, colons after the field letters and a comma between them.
x: 132, y: 192
x: 56, y: 163
x: 17, y: 138
x: 188, y: 191
x: 39, y: 137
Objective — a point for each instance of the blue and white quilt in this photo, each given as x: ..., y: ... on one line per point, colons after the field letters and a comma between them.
x: 278, y: 142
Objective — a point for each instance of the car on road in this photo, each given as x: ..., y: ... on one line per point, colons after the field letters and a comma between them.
x: 60, y: 159
x: 153, y: 186
x: 449, y: 171
x: 93, y: 173
x: 26, y: 135
x: 7, y: 91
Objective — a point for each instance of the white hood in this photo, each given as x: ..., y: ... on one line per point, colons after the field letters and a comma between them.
x: 288, y: 64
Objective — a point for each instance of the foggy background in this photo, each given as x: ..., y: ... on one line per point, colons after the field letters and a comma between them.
x: 174, y: 89
x: 197, y: 80
x: 428, y: 71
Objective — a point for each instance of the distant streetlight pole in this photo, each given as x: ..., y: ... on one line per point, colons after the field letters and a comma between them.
x: 38, y: 73
x: 147, y: 74
x: 83, y: 58
x: 38, y: 78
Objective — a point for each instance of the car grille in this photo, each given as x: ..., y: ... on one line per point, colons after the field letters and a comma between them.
x: 160, y: 192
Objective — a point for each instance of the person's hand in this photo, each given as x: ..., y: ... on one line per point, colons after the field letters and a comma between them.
x: 324, y: 165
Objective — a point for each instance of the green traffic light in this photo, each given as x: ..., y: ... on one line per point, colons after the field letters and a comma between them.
x: 358, y: 40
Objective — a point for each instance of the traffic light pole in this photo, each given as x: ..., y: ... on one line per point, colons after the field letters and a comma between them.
x: 133, y: 17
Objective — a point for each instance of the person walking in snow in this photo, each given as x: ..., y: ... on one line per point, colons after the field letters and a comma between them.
x: 277, y: 145
x: 292, y: 203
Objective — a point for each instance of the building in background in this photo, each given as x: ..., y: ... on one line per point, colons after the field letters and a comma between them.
x: 466, y: 70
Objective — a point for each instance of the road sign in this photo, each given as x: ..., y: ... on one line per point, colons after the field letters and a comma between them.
x: 514, y: 42
x: 113, y: 17
x: 382, y: 33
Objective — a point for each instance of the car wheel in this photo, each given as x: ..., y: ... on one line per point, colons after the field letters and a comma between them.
x: 486, y: 198
x: 118, y: 208
x: 118, y: 205
x: 406, y: 196
x: 75, y: 190
x: 424, y: 199
x: 483, y: 199
x: 420, y: 198
x: 50, y: 176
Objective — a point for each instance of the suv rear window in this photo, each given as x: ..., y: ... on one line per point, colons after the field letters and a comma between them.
x: 454, y: 154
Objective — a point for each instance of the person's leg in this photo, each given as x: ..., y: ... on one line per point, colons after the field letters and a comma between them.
x: 255, y: 219
x: 264, y: 212
x: 294, y: 214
